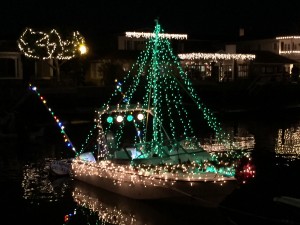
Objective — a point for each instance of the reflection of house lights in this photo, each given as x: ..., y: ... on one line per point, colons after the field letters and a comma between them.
x: 288, y: 142
x: 244, y: 142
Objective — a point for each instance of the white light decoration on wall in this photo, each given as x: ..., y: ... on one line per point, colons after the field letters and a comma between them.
x: 216, y: 56
x: 287, y: 37
x: 151, y: 35
x: 289, y: 52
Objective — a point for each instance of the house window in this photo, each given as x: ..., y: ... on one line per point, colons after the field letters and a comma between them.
x: 227, y: 76
x: 197, y: 72
x: 7, y: 68
x: 242, y: 70
x: 267, y: 69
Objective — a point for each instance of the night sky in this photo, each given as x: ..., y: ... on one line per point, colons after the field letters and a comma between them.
x: 199, y: 19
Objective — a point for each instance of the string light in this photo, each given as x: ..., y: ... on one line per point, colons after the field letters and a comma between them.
x: 162, y: 93
x: 149, y: 35
x: 216, y: 56
x: 50, y: 45
x: 287, y: 37
x: 60, y: 125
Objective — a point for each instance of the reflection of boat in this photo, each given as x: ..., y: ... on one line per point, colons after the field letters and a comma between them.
x: 151, y: 151
x: 98, y: 206
x: 111, y: 208
x: 288, y: 200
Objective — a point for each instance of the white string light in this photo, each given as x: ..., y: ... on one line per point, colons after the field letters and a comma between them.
x: 216, y: 56
x: 151, y: 35
x: 41, y: 45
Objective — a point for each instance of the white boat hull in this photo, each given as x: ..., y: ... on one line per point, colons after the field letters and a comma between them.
x: 207, y: 191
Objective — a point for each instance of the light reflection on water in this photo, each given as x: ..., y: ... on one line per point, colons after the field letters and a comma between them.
x: 104, y: 208
x: 94, y: 206
x: 288, y: 142
x: 110, y: 208
x: 39, y: 186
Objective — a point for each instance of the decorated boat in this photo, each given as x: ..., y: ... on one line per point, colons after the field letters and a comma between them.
x: 148, y: 144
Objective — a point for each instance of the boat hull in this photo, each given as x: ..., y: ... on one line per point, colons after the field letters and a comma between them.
x: 208, y: 193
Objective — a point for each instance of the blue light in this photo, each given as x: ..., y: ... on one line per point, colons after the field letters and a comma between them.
x: 109, y: 119
x: 129, y: 118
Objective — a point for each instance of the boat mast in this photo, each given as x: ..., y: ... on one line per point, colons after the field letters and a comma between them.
x: 154, y: 82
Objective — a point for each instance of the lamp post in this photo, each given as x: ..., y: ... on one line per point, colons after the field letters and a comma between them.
x: 83, y: 51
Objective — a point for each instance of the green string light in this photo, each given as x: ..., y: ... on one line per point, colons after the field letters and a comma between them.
x: 158, y: 81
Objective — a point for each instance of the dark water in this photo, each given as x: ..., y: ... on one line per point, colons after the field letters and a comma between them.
x: 30, y: 196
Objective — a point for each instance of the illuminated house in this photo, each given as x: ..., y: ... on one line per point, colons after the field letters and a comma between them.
x: 104, y: 69
x: 221, y: 66
x: 203, y: 60
x: 283, y: 50
x: 14, y: 67
x: 289, y: 46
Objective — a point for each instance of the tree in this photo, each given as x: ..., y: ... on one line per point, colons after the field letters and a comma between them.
x: 50, y: 45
